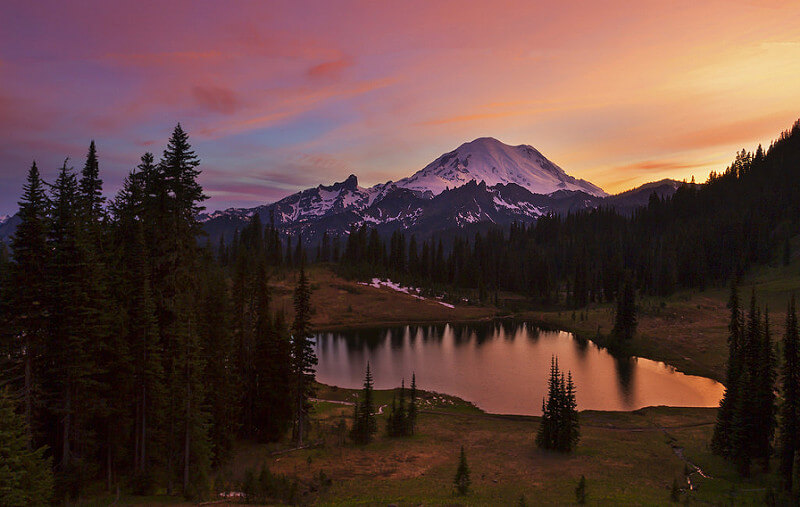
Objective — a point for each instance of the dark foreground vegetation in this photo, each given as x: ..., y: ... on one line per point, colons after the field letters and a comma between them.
x: 132, y: 359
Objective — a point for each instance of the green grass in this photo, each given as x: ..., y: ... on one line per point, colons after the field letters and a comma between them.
x: 627, y: 458
x: 689, y: 328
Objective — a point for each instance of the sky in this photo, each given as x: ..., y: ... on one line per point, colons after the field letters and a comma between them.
x: 280, y: 96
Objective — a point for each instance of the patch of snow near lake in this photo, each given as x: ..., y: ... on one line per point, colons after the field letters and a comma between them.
x: 411, y: 291
x: 446, y: 304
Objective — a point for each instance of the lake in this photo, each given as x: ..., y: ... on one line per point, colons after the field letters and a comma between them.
x: 502, y: 367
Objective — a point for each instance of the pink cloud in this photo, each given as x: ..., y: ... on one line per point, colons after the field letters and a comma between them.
x: 216, y: 99
x: 331, y: 69
x: 383, y: 88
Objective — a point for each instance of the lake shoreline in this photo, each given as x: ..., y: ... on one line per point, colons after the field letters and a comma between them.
x: 460, y: 358
x: 352, y: 392
x: 645, y: 347
x: 687, y: 330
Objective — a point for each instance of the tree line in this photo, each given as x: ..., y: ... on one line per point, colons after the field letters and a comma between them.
x: 129, y: 353
x: 760, y: 396
x: 703, y: 234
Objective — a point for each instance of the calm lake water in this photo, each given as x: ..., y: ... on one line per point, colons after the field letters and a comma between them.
x: 502, y: 367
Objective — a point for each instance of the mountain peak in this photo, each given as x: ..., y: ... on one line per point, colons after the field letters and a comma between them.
x: 494, y: 162
x: 485, y: 141
x: 351, y: 180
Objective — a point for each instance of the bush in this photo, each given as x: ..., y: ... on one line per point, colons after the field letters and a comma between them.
x: 266, y: 487
x: 580, y: 491
x: 462, y: 480
x: 675, y: 492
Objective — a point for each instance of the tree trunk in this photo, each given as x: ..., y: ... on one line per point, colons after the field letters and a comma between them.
x: 300, y: 417
x: 187, y: 436
x: 29, y: 391
x: 136, y: 435
x: 108, y: 457
x: 143, y: 439
x: 65, y: 449
x: 170, y: 453
x: 187, y: 441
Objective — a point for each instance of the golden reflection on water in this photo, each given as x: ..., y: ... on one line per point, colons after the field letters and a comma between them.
x: 503, y: 368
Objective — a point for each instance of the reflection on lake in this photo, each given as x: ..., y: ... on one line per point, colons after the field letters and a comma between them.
x: 502, y: 367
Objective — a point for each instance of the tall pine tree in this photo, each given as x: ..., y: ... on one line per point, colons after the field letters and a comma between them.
x: 26, y: 298
x: 303, y: 357
x: 789, y: 441
x: 174, y: 198
x: 720, y: 441
x: 364, y: 425
x: 559, y: 427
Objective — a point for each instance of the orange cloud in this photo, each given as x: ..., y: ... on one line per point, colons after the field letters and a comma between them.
x: 616, y: 92
x: 471, y: 117
x: 630, y: 175
x: 331, y: 69
x: 741, y: 132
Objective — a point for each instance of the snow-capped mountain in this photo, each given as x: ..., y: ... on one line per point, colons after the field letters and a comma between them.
x: 7, y: 227
x: 319, y: 202
x: 487, y: 159
x: 312, y: 212
x: 484, y: 160
x: 480, y: 183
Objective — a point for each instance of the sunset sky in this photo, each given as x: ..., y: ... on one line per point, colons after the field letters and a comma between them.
x: 279, y: 96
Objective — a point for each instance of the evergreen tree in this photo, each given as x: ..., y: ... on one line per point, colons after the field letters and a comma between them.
x: 399, y: 422
x: 173, y: 198
x: 108, y: 403
x: 91, y: 186
x: 571, y: 422
x: 5, y: 261
x: 675, y: 491
x: 580, y: 491
x: 219, y: 354
x: 364, y: 424
x: 114, y: 332
x: 412, y: 405
x: 559, y: 428
x: 273, y: 411
x: 720, y: 442
x: 625, y: 318
x: 391, y: 421
x: 25, y: 474
x: 303, y: 357
x: 462, y: 481
x: 134, y: 293
x: 753, y: 418
x: 765, y: 370
x: 71, y: 350
x: 26, y: 296
x: 546, y: 438
x: 790, y: 409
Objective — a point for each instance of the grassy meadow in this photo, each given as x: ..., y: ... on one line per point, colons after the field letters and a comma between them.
x: 627, y: 457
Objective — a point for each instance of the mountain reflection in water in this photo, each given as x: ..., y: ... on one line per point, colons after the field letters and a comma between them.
x: 503, y: 366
